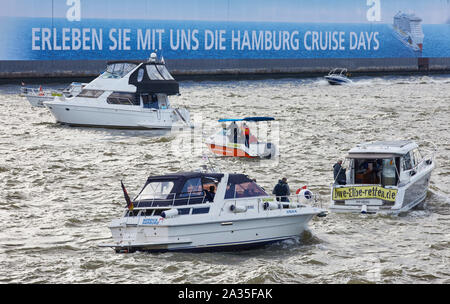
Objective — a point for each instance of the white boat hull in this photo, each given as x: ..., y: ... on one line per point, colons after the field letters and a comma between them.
x: 220, y: 145
x: 209, y: 236
x: 118, y: 116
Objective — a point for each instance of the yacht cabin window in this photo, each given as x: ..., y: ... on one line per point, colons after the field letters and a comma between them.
x: 156, y: 190
x: 375, y: 171
x: 417, y: 157
x: 150, y: 101
x: 193, y: 186
x: 123, y: 98
x: 407, y: 162
x: 91, y: 93
x: 241, y: 189
x: 140, y: 75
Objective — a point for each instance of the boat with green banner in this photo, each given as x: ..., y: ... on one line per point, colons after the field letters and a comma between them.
x: 382, y: 177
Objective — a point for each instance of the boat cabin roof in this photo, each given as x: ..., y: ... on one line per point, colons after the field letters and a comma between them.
x: 153, y: 77
x: 337, y: 71
x: 254, y: 119
x: 382, y: 149
x: 186, y: 188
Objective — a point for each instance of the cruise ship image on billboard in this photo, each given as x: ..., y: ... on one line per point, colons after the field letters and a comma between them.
x: 408, y: 30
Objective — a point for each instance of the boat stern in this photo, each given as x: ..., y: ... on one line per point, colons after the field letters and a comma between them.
x: 365, y: 199
x: 130, y: 234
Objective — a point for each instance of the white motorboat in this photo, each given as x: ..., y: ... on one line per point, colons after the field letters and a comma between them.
x: 408, y: 30
x: 383, y: 177
x: 197, y: 211
x: 232, y: 140
x: 129, y: 94
x: 338, y: 76
x: 36, y: 97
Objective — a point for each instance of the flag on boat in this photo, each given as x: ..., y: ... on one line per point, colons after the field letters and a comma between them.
x: 127, y: 198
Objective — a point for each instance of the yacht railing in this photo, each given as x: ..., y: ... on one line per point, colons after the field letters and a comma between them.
x: 38, y: 92
x: 171, y: 200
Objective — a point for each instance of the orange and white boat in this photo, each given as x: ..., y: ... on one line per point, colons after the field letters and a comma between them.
x: 236, y: 139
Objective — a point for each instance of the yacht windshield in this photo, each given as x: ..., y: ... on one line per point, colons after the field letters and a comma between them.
x: 118, y: 70
x: 156, y: 190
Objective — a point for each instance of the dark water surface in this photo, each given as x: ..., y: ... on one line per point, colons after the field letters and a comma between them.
x: 60, y: 186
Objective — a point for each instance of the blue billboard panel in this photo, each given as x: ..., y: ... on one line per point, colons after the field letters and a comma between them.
x: 223, y: 29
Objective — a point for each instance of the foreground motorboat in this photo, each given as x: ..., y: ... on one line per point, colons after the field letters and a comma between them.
x: 36, y: 97
x: 232, y: 140
x: 383, y: 177
x: 197, y: 211
x: 128, y: 95
x: 338, y: 76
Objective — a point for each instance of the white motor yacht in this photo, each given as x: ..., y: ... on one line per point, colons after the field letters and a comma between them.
x: 231, y: 140
x: 197, y: 211
x: 36, y: 97
x: 338, y: 76
x: 382, y: 177
x: 129, y: 94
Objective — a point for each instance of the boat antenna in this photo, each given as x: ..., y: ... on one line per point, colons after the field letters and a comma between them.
x: 209, y: 165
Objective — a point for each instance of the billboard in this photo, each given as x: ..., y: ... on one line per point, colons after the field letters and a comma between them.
x: 223, y: 29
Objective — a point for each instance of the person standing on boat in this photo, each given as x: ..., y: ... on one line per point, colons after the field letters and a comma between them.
x: 234, y: 132
x: 339, y: 173
x: 281, y: 190
x: 246, y: 131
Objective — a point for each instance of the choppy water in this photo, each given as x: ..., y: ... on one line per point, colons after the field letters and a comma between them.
x: 60, y: 186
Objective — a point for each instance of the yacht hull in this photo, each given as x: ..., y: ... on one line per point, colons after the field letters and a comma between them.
x: 209, y: 236
x: 119, y: 117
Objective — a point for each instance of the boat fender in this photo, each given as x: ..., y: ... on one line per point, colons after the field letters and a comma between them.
x: 169, y: 213
x: 270, y: 206
x: 305, y: 195
x: 238, y: 209
x: 322, y: 214
x: 364, y: 209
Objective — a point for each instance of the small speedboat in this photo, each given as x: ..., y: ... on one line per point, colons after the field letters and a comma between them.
x: 128, y: 95
x: 383, y: 177
x: 338, y: 76
x: 239, y: 140
x: 198, y: 211
x: 36, y: 97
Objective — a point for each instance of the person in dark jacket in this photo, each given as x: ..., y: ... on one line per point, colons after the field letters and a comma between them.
x: 210, y: 194
x: 281, y: 190
x: 339, y: 173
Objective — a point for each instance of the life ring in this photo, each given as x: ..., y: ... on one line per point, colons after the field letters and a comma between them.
x: 300, y: 189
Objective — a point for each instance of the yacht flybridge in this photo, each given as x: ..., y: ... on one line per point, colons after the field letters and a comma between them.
x: 383, y: 177
x: 129, y: 94
x: 206, y: 211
